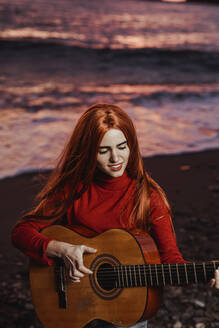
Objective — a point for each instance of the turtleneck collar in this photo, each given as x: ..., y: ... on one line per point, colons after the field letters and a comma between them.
x: 110, y: 183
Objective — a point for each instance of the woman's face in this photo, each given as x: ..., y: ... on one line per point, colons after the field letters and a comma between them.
x: 113, y: 153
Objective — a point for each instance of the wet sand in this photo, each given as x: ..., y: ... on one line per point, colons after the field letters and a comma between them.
x: 191, y: 182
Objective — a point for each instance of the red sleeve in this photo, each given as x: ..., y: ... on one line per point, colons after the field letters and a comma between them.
x: 30, y: 241
x: 162, y: 231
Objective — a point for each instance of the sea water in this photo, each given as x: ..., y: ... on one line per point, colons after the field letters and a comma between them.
x: 158, y: 61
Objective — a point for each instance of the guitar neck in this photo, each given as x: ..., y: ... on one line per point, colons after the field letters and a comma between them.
x: 156, y: 275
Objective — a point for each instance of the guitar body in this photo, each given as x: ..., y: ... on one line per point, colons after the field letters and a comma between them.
x: 89, y: 300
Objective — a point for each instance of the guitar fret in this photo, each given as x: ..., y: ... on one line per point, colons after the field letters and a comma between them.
x: 155, y: 267
x: 130, y: 275
x: 170, y: 273
x: 163, y: 274
x: 145, y: 276
x: 123, y: 284
x: 204, y: 270
x: 119, y: 280
x: 186, y: 273
x: 150, y: 275
x: 135, y: 277
x: 116, y: 282
x: 174, y: 271
x: 177, y: 271
x: 195, y: 273
x: 126, y: 275
x: 164, y: 282
x: 139, y: 275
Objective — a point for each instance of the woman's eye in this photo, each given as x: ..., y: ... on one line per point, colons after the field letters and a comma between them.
x: 103, y: 151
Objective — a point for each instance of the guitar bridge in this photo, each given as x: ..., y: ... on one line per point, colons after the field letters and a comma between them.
x: 60, y: 283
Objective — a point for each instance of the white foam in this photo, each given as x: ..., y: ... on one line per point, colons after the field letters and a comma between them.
x: 33, y: 140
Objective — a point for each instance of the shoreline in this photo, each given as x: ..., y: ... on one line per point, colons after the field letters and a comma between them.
x: 35, y: 171
x: 191, y: 182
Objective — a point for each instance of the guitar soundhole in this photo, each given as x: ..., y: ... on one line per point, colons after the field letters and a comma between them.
x: 104, y: 280
x: 106, y: 277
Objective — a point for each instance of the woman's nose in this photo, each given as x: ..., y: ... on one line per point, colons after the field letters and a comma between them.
x: 114, y: 156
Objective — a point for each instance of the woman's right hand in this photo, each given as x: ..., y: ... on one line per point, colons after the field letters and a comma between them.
x: 72, y: 256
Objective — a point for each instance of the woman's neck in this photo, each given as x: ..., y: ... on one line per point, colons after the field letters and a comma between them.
x: 111, y: 183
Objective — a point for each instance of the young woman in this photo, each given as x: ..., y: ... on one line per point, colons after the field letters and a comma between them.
x: 100, y: 182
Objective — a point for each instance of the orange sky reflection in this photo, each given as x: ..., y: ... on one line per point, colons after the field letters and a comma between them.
x: 174, y: 0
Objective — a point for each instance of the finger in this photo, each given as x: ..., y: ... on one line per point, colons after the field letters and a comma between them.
x: 78, y: 274
x: 87, y: 249
x: 74, y: 275
x: 81, y: 267
x: 216, y: 276
x: 74, y: 279
x: 212, y: 282
x: 73, y: 272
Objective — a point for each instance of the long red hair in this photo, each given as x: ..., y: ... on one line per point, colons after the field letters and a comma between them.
x: 77, y: 165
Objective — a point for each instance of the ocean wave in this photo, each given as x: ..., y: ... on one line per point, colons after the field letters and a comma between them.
x: 25, y: 43
x: 142, y: 56
x: 127, y: 65
x: 64, y: 96
x: 176, y: 97
x: 115, y: 24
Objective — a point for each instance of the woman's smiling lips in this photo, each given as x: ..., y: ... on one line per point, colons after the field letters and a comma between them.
x: 115, y: 167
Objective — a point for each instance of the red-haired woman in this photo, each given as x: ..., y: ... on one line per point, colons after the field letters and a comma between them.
x: 100, y: 183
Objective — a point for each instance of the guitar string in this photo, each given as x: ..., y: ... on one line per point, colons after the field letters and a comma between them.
x: 151, y: 274
x: 156, y: 279
x: 174, y: 276
x: 188, y: 264
x: 160, y: 271
x: 154, y: 275
x: 165, y: 269
x: 111, y: 274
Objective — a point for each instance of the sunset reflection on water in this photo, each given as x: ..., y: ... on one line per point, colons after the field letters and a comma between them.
x: 115, y: 25
x: 174, y: 0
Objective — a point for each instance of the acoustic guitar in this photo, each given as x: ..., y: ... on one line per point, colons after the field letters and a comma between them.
x: 126, y: 284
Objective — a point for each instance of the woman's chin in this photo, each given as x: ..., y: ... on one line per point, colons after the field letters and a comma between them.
x: 112, y: 172
x: 116, y: 174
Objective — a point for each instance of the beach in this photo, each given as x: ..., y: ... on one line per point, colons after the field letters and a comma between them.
x: 191, y: 182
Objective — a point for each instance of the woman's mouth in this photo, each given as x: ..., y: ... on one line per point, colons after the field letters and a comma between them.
x: 115, y: 167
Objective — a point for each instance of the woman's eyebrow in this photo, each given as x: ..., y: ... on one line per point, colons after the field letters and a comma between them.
x: 120, y: 144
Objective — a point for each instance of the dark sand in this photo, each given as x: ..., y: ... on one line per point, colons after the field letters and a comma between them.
x: 191, y: 182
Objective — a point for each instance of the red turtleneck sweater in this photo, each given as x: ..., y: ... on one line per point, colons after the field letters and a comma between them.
x: 105, y: 205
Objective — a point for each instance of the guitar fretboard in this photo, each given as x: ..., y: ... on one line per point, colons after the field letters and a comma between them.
x: 155, y: 275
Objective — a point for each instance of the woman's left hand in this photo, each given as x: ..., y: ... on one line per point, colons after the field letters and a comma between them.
x: 215, y: 281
